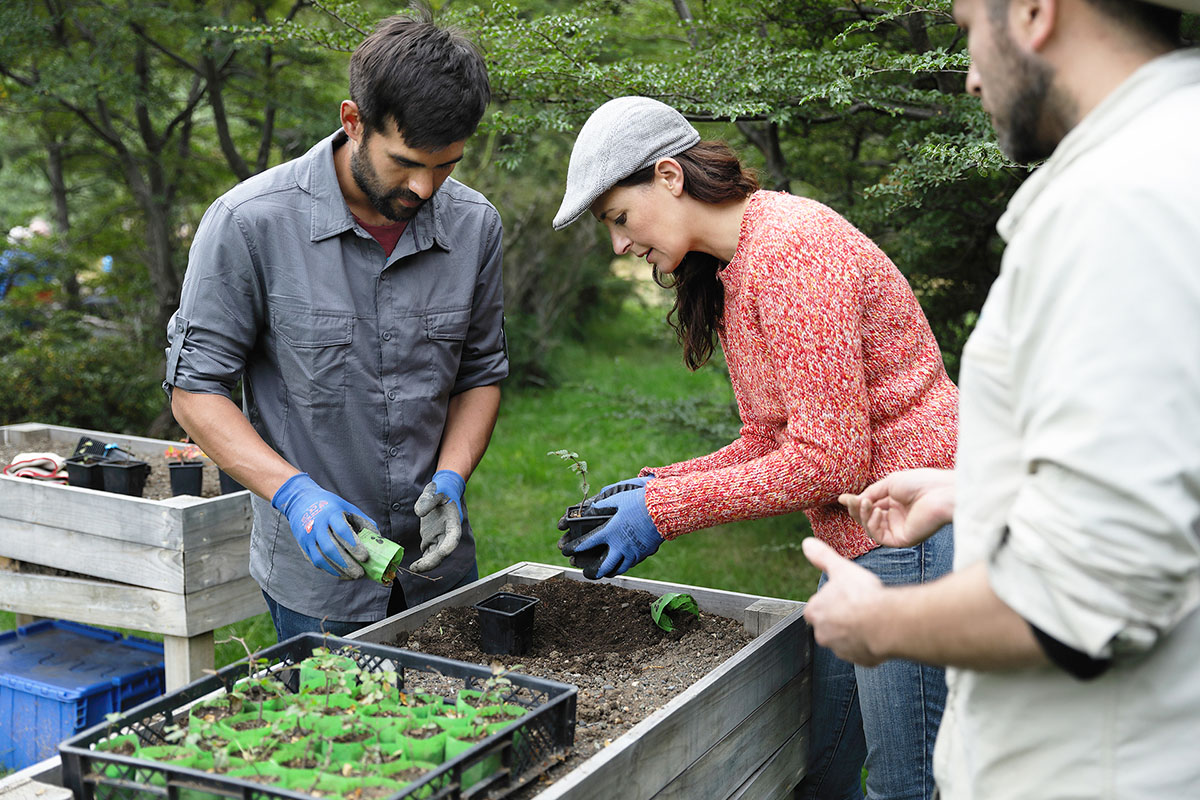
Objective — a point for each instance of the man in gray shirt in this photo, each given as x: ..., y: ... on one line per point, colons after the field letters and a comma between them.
x: 356, y: 293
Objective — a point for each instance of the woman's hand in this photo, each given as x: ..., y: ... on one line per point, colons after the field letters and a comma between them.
x: 904, y: 508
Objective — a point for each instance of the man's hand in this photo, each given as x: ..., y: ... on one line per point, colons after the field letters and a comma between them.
x: 440, y: 510
x: 906, y: 507
x: 843, y: 611
x: 318, y: 521
x: 630, y: 534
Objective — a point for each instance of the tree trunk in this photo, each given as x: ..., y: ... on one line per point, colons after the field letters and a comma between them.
x: 62, y: 217
x: 765, y: 136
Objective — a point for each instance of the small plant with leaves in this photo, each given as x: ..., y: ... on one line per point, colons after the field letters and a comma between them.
x: 578, y: 466
x: 187, y: 454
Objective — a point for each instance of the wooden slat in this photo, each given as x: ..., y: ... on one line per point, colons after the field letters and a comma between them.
x: 740, y: 754
x: 766, y: 612
x: 648, y: 756
x: 95, y: 556
x: 388, y: 629
x: 127, y: 562
x: 157, y: 523
x: 777, y: 778
x: 122, y: 606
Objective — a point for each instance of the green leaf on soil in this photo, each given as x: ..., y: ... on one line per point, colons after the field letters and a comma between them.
x: 672, y: 601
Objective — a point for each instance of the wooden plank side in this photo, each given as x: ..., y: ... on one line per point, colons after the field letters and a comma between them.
x: 223, y: 604
x: 388, y: 629
x: 93, y: 602
x: 95, y: 556
x: 216, y: 564
x: 123, y: 606
x: 739, y: 755
x: 113, y: 516
x: 651, y: 754
x: 777, y: 778
x: 187, y: 658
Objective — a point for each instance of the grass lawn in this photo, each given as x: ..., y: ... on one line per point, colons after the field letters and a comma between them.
x: 625, y: 401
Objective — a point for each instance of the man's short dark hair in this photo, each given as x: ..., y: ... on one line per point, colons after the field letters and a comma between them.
x: 431, y: 81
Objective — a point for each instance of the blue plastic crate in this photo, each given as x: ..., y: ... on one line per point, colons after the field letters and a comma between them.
x: 57, y: 678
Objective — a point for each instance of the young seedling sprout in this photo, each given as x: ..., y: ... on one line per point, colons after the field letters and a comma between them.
x: 578, y: 466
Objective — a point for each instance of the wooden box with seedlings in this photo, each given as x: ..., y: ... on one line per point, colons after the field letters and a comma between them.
x: 177, y: 566
x: 681, y: 718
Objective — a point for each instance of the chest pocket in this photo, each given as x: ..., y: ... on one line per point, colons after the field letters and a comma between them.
x: 313, y: 348
x: 446, y: 335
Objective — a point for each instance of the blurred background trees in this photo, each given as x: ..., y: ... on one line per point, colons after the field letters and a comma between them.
x: 121, y: 120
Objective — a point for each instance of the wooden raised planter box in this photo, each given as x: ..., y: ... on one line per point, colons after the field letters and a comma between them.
x: 739, y: 732
x: 179, y: 566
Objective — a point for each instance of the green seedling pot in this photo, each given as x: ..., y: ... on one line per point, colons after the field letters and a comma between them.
x: 475, y: 773
x: 385, y: 556
x: 125, y: 744
x: 307, y: 748
x: 404, y: 772
x: 173, y: 754
x: 418, y: 744
x: 329, y: 673
x: 262, y: 772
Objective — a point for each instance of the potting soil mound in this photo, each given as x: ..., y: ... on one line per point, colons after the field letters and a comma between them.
x: 602, y: 639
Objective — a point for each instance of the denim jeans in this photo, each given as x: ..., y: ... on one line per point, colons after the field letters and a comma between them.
x: 884, y: 717
x: 288, y: 623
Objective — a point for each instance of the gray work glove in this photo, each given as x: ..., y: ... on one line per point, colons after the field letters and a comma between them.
x: 440, y: 510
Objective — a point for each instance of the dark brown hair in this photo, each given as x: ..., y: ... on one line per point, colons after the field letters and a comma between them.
x: 712, y: 173
x: 431, y: 81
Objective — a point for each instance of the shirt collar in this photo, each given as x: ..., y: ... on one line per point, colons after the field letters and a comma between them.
x: 331, y: 215
x: 1141, y: 90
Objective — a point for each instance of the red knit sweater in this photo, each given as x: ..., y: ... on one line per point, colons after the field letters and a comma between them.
x: 838, y: 380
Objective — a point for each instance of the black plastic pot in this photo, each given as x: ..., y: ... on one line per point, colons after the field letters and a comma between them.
x: 228, y: 484
x: 582, y: 520
x: 85, y: 471
x: 125, y: 477
x: 187, y: 477
x: 506, y: 623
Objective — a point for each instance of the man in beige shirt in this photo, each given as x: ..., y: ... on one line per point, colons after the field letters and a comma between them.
x: 1070, y: 621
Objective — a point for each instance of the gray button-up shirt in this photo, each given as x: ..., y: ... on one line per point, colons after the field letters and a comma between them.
x: 348, y: 358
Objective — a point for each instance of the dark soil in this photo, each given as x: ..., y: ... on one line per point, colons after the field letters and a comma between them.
x: 158, y: 483
x: 602, y: 639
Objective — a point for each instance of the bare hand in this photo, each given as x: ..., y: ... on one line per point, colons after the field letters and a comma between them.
x: 842, y: 612
x: 906, y: 507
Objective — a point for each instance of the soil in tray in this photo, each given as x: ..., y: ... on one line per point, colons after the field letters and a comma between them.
x: 602, y: 639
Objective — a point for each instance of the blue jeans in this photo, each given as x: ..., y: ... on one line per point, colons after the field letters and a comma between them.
x: 883, y: 717
x: 289, y: 623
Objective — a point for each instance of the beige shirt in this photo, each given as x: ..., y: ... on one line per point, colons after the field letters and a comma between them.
x: 1078, y: 467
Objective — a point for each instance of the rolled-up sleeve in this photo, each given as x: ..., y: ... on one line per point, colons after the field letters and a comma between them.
x: 219, y: 315
x: 485, y: 354
x: 1102, y: 551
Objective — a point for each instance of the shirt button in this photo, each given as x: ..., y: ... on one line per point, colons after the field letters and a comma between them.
x: 392, y: 395
x: 387, y: 335
x: 395, y: 451
x: 395, y: 506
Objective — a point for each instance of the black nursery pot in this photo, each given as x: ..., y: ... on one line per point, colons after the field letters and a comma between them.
x: 84, y: 471
x: 506, y: 623
x: 228, y: 484
x: 187, y: 477
x: 581, y: 521
x: 125, y: 477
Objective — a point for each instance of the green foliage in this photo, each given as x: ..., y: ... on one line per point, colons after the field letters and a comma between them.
x: 57, y: 369
x: 672, y: 601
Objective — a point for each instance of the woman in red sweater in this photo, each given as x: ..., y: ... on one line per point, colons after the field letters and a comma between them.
x: 838, y: 381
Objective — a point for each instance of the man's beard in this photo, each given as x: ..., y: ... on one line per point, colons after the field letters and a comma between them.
x: 382, y: 201
x: 1036, y: 118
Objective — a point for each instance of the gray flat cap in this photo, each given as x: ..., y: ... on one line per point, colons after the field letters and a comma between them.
x: 622, y: 136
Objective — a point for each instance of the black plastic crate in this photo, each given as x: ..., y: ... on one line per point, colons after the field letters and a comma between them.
x: 527, y: 747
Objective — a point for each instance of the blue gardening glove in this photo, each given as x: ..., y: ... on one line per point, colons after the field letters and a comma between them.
x: 630, y: 535
x: 440, y: 510
x: 318, y: 521
x: 607, y: 491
